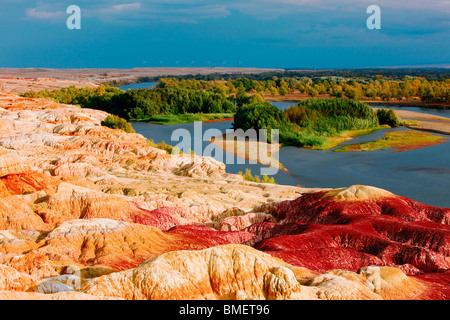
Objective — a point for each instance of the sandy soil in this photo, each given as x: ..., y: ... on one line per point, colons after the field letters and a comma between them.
x: 426, y: 123
x: 253, y: 150
x: 438, y: 127
x: 21, y: 85
x: 404, y: 114
x: 107, y: 75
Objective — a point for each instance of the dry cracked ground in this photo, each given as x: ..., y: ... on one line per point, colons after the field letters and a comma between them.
x: 88, y: 212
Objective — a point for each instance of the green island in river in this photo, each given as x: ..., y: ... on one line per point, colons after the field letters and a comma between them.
x: 397, y: 140
x: 332, y: 113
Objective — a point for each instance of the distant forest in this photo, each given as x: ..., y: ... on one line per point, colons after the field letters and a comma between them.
x: 329, y: 107
x: 394, y: 74
x: 190, y: 95
x: 379, y: 87
x: 429, y: 85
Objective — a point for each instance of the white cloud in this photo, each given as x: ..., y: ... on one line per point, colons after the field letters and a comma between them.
x: 43, y: 15
x: 189, y: 11
x: 124, y: 7
x: 196, y: 10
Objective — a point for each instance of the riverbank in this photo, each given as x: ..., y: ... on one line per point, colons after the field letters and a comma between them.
x: 425, y: 122
x: 251, y: 150
x: 398, y: 141
x: 415, y: 102
x: 168, y: 119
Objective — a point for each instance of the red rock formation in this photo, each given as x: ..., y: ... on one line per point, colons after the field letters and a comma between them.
x: 163, y: 218
x: 438, y: 285
x: 26, y: 183
x: 120, y: 245
x: 209, y: 237
x: 16, y: 214
x: 75, y: 194
x: 241, y: 272
x: 357, y: 226
x: 35, y: 265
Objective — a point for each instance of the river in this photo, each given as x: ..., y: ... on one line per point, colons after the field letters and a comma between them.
x: 422, y: 174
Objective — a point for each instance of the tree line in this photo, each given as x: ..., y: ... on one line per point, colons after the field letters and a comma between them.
x: 141, y: 104
x: 378, y: 87
x: 367, y: 73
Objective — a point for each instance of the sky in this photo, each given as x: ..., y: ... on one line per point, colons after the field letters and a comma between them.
x: 309, y: 34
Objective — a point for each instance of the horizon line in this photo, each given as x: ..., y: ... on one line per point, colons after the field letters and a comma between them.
x: 418, y: 66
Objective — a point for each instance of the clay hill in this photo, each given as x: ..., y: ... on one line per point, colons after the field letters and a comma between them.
x: 88, y: 212
x: 25, y: 79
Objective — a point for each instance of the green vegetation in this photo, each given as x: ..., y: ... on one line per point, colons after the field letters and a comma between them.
x: 142, y: 104
x: 330, y: 116
x: 187, y: 117
x: 115, y: 122
x: 399, y: 140
x: 75, y: 96
x: 376, y: 73
x: 317, y: 123
x: 429, y: 86
x: 248, y: 177
x: 311, y: 123
x: 389, y: 117
x: 259, y: 116
x: 370, y: 87
x: 163, y: 146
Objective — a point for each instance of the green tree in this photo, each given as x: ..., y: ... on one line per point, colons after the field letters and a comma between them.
x: 259, y: 116
x: 115, y: 122
x: 389, y: 117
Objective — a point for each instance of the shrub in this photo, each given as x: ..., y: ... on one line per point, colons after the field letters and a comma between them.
x: 339, y: 107
x: 329, y: 117
x: 389, y: 117
x: 259, y: 116
x: 301, y: 138
x: 115, y: 122
x: 266, y: 179
x: 249, y: 177
x: 163, y: 146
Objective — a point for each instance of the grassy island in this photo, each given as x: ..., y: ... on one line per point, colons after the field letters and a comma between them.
x: 315, y: 123
x: 398, y: 141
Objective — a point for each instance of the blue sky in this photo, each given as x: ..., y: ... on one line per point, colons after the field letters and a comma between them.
x: 246, y: 33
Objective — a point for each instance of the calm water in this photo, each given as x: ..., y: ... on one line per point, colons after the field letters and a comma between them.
x: 435, y: 111
x: 143, y: 85
x: 422, y: 175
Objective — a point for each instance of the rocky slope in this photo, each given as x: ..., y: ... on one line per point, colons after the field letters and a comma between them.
x: 357, y: 226
x: 241, y: 272
x: 88, y: 212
